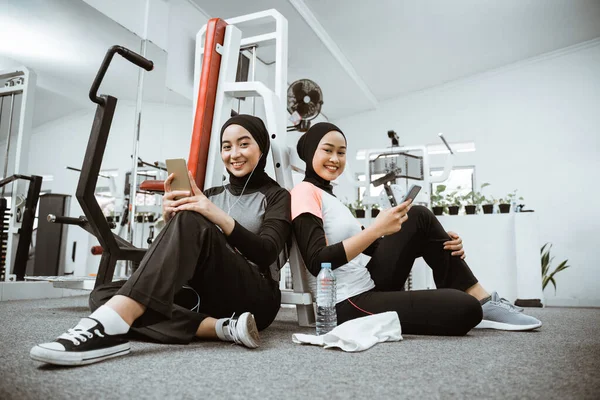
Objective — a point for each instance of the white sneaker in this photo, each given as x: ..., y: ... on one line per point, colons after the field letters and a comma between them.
x: 86, y: 343
x: 242, y: 330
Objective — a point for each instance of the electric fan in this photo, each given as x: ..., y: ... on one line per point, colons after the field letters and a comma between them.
x: 304, y: 101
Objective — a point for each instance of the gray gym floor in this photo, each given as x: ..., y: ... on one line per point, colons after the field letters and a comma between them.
x: 562, y: 360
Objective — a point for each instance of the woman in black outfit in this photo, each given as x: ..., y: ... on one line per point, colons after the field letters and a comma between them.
x: 222, y: 246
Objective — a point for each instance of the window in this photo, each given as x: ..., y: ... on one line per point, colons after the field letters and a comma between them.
x: 460, y: 177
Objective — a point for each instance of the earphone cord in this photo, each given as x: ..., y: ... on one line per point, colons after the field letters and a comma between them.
x: 244, y: 188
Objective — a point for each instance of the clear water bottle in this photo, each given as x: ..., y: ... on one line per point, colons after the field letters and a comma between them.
x: 326, y: 299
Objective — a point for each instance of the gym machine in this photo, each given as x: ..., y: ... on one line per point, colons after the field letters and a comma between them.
x: 18, y: 202
x: 406, y: 165
x: 114, y: 247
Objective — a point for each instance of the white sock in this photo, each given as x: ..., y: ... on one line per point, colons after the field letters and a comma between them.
x: 111, y: 320
x: 223, y: 333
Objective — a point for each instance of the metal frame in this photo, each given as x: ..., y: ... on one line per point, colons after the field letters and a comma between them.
x: 114, y: 247
x: 19, y: 265
x: 18, y: 168
x: 427, y: 178
x: 275, y: 110
x: 426, y: 186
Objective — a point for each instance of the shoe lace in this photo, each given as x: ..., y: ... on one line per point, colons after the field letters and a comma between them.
x: 508, y: 305
x: 78, y: 335
x: 232, y: 329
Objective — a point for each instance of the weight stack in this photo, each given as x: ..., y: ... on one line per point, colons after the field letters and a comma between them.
x: 4, y: 224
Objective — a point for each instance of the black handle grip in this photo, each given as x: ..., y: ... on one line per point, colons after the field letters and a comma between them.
x: 390, y: 195
x: 128, y: 55
x: 135, y: 58
x: 57, y: 219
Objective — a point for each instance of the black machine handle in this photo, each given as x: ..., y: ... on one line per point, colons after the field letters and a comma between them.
x: 135, y: 58
x: 81, y: 221
x: 129, y: 55
x: 66, y: 220
x: 385, y: 181
x: 12, y: 178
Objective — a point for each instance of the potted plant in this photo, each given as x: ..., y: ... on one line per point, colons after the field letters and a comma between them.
x: 438, y: 202
x: 359, y: 209
x: 454, y: 202
x: 505, y: 203
x: 488, y: 205
x: 470, y: 208
x: 375, y: 210
x: 476, y: 199
x: 548, y: 276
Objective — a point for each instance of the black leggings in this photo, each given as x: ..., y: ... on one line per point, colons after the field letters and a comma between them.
x: 447, y: 310
x: 191, y: 251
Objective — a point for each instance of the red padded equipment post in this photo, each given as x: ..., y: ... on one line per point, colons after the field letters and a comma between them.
x: 205, y: 107
x: 207, y: 92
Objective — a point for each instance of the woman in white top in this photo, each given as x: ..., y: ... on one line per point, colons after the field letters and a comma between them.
x: 371, y: 265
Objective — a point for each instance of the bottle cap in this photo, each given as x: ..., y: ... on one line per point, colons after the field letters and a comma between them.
x: 325, y: 265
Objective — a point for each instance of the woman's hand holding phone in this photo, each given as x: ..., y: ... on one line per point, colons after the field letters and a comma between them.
x: 194, y: 201
x: 390, y: 221
x: 169, y: 198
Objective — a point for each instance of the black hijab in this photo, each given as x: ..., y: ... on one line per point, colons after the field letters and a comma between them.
x: 256, y: 127
x: 307, y: 146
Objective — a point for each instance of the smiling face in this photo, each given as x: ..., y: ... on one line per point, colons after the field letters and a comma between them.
x: 239, y: 151
x: 329, y: 159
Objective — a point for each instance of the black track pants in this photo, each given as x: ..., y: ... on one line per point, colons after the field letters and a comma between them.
x: 444, y: 311
x: 192, y: 251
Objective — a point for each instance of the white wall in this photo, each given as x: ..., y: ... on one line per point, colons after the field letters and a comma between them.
x: 132, y: 15
x: 184, y: 23
x: 536, y: 126
x: 172, y: 26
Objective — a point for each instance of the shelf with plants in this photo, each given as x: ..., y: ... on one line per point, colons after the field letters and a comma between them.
x: 505, y: 203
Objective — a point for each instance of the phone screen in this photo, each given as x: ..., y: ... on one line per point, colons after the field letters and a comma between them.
x: 181, y: 181
x: 412, y: 193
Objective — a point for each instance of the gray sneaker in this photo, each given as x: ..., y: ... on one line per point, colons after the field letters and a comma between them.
x: 500, y: 314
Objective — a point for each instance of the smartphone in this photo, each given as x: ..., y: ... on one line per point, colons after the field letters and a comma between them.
x: 412, y: 193
x: 181, y: 180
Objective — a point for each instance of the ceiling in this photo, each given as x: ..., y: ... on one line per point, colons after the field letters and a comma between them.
x: 381, y: 49
x: 64, y: 42
x: 397, y: 47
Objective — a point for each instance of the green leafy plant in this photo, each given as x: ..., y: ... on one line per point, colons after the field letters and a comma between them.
x: 548, y: 276
x: 438, y: 198
x: 358, y: 205
x: 454, y: 198
x: 510, y: 198
x: 477, y: 198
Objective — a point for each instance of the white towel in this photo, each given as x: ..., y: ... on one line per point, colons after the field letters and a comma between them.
x: 358, y: 334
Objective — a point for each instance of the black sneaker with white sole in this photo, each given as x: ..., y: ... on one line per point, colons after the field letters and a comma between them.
x: 86, y: 343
